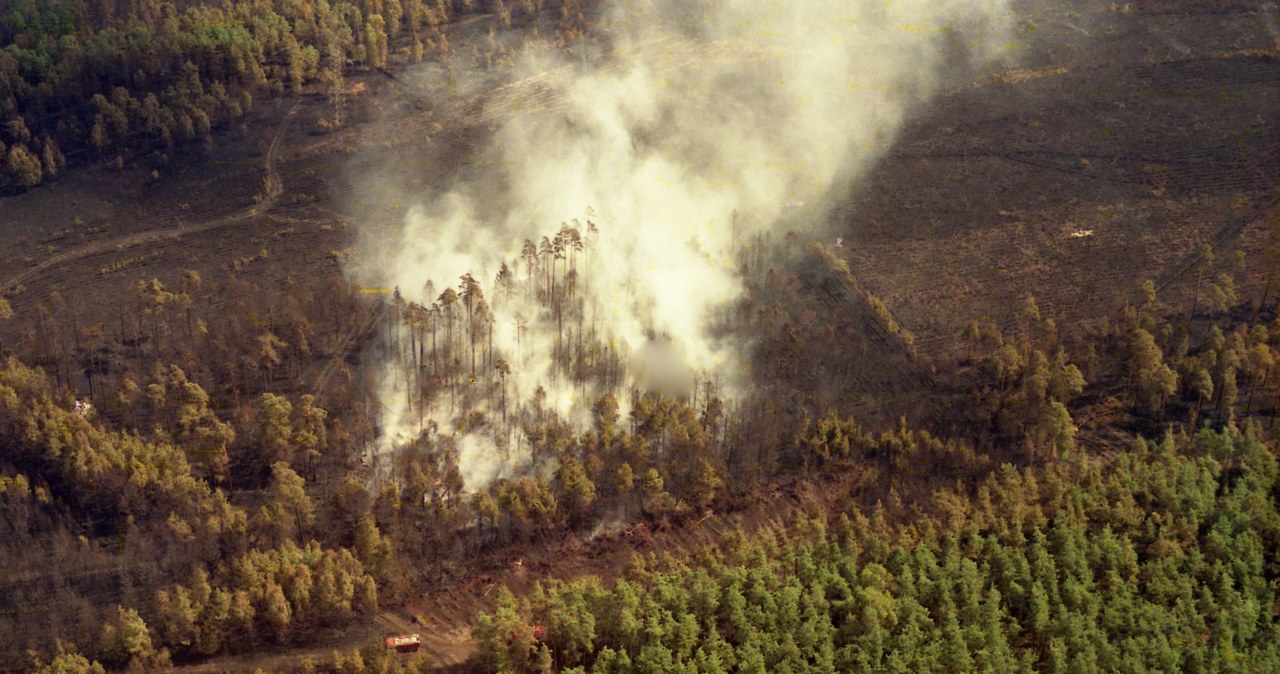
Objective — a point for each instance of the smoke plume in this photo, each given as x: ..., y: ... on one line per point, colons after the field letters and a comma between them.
x: 682, y: 130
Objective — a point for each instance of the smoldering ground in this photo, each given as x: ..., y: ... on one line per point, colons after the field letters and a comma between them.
x: 632, y: 166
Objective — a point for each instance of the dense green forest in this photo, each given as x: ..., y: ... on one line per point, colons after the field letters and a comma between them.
x: 1160, y: 558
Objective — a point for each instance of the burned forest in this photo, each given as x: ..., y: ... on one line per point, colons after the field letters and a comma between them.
x: 607, y: 336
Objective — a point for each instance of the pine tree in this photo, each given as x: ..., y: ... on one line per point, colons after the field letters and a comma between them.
x: 275, y: 613
x: 706, y: 483
x: 275, y: 432
x: 1155, y: 380
x: 23, y: 167
x: 126, y: 641
x: 287, y: 492
x: 575, y: 492
x: 376, y: 41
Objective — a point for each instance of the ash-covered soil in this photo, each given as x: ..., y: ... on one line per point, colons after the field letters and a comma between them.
x: 1105, y: 153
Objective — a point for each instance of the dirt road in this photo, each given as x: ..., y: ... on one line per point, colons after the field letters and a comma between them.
x: 268, y: 199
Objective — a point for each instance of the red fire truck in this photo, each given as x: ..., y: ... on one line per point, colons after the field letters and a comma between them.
x: 405, y: 643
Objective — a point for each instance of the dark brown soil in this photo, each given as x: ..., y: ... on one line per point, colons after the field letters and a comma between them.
x: 1111, y: 148
x: 1117, y: 145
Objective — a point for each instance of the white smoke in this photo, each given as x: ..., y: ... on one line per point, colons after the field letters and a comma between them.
x: 695, y: 124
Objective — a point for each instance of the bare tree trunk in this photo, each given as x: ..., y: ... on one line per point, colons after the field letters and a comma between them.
x: 1249, y: 405
x: 1217, y: 410
x: 1195, y: 301
x: 1275, y: 408
x: 1262, y: 304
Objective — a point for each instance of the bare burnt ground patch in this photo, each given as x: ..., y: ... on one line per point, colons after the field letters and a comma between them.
x: 1072, y: 177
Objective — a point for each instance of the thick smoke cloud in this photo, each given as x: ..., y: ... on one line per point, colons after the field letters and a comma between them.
x: 694, y: 125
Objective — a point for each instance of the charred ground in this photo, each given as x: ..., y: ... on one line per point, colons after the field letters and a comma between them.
x: 1119, y: 143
